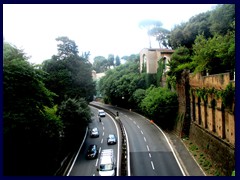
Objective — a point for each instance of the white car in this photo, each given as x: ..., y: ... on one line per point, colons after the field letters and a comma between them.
x: 111, y: 139
x: 94, y: 132
x: 101, y: 113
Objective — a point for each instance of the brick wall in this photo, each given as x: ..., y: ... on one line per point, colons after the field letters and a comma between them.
x: 212, y: 126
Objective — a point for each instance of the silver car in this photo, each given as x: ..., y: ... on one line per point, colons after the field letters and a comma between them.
x: 111, y: 139
x: 94, y: 132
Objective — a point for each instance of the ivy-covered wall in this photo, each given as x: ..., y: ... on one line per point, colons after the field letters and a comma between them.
x: 212, y: 101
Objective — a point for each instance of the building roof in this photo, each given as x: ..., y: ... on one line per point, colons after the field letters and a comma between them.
x: 159, y: 49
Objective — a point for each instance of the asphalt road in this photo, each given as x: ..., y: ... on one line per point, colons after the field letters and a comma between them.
x: 150, y: 151
x: 85, y: 167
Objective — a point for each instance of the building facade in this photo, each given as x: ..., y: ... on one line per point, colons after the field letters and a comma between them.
x: 149, y: 59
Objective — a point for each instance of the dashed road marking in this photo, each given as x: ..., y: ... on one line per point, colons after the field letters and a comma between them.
x: 96, y: 162
x: 150, y: 155
x: 144, y: 139
x: 138, y: 126
x: 101, y: 141
x: 103, y: 127
x: 148, y: 148
x: 130, y: 119
x: 152, y: 165
x: 103, y: 134
x: 134, y: 122
x: 141, y: 131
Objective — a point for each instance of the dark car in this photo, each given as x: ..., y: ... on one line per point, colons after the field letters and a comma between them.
x: 111, y: 139
x: 94, y: 132
x: 92, y: 152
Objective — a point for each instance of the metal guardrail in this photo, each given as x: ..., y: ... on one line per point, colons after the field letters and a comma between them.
x: 124, y: 153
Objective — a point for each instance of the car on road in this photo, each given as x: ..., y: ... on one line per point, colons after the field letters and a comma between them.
x: 94, y: 132
x: 111, y: 139
x: 101, y: 113
x: 92, y: 152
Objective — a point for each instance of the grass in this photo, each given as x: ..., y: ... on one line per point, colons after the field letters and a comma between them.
x: 203, y: 160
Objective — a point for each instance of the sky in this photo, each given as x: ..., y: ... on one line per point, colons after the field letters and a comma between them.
x: 102, y: 29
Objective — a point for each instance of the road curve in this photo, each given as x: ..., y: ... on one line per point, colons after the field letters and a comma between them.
x: 150, y: 152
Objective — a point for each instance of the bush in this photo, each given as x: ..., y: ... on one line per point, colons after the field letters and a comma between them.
x: 160, y: 104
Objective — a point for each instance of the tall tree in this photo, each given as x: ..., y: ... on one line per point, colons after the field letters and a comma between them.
x: 161, y: 35
x: 100, y: 64
x: 66, y: 48
x: 222, y: 18
x: 69, y: 75
x: 149, y: 24
x: 117, y: 61
x: 110, y: 60
x: 29, y: 129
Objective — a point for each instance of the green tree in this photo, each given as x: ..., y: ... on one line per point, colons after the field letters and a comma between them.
x: 215, y: 55
x: 110, y: 60
x: 28, y: 127
x: 181, y: 59
x: 69, y: 75
x: 66, y: 48
x: 117, y: 61
x: 149, y: 24
x: 222, y: 18
x: 118, y: 85
x: 185, y: 33
x: 161, y: 34
x: 76, y: 115
x: 100, y: 64
x: 158, y: 104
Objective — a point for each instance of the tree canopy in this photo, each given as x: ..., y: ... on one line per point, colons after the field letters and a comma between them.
x: 68, y: 74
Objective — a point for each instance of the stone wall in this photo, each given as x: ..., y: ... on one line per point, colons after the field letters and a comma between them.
x: 220, y: 152
x: 212, y: 125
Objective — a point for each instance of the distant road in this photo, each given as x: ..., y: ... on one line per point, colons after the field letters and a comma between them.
x: 150, y: 153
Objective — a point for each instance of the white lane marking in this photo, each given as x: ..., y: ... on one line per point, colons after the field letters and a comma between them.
x: 102, y: 123
x: 150, y: 155
x: 134, y: 122
x: 174, y: 154
x: 103, y: 127
x: 103, y: 134
x: 96, y: 162
x: 138, y: 126
x: 152, y: 165
x: 99, y: 151
x: 101, y: 141
x: 144, y: 139
x: 130, y: 119
x: 141, y: 131
x: 148, y: 148
x: 118, y: 152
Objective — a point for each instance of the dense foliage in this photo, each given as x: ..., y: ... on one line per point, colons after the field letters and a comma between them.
x: 160, y: 104
x: 209, y: 47
x: 124, y: 86
x: 68, y: 74
x: 217, y: 21
x: 45, y: 108
x: 30, y: 127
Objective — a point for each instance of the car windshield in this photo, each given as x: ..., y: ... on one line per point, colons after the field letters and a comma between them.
x: 106, y: 167
x: 94, y: 130
x: 111, y: 137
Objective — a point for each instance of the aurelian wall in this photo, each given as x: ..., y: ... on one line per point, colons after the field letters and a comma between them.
x: 213, y: 124
x: 211, y: 113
